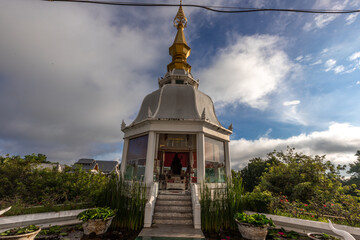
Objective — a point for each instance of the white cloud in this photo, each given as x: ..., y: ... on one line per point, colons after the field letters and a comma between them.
x: 350, y: 70
x: 325, y: 50
x: 308, y: 57
x: 289, y: 103
x: 317, y: 62
x: 299, y: 58
x: 354, y: 56
x: 267, y: 133
x: 291, y: 114
x: 70, y: 75
x: 250, y: 68
x: 305, y: 58
x: 339, y: 143
x: 319, y: 21
x: 322, y: 20
x: 351, y: 18
x: 329, y: 64
x: 339, y: 69
x: 358, y: 83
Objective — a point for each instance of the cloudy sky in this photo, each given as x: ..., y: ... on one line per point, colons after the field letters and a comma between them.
x: 70, y: 72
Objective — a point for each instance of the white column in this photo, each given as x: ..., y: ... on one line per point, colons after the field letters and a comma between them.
x: 150, y: 155
x: 200, y: 157
x: 124, y: 156
x: 227, y: 160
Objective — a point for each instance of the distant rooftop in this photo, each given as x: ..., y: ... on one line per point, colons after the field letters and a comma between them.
x: 102, y: 165
x: 85, y: 161
x: 106, y: 166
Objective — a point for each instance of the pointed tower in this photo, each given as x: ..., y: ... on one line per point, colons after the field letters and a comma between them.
x: 176, y: 123
x: 179, y: 51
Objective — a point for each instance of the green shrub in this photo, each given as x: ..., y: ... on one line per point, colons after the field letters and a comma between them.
x: 258, y: 201
x: 256, y: 219
x: 96, y: 213
x: 44, y: 187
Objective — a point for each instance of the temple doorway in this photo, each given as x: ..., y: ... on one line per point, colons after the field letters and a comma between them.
x: 176, y: 170
x: 175, y: 163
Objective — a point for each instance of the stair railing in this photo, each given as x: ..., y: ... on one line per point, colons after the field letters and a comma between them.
x: 150, y: 205
x: 196, y: 206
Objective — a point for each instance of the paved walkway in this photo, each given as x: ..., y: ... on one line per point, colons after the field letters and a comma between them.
x: 171, y: 231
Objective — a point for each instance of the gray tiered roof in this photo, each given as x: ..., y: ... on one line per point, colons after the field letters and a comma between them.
x: 177, y: 102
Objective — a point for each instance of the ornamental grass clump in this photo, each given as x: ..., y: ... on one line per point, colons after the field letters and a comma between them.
x: 218, y: 206
x: 129, y: 198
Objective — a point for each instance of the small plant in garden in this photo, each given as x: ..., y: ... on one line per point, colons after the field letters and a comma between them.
x: 323, y: 236
x: 96, y: 213
x: 256, y: 219
x: 281, y: 234
x: 19, y: 231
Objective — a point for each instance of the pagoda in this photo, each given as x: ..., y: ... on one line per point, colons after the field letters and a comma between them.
x: 176, y: 138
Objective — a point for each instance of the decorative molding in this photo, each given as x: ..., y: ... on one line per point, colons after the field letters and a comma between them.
x: 150, y: 114
x: 203, y: 115
x: 344, y: 234
x: 123, y: 125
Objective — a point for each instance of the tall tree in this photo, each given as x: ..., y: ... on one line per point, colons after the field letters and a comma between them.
x: 355, y: 167
x: 300, y: 177
x: 254, y: 170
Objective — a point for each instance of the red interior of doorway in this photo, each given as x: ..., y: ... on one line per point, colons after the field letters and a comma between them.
x: 169, y: 156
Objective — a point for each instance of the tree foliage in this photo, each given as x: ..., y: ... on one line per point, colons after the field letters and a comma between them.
x: 21, y: 180
x: 298, y: 185
x: 254, y: 170
x: 355, y: 167
x: 354, y: 182
x: 300, y: 177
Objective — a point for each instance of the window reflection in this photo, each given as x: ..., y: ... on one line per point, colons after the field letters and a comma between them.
x: 214, y: 161
x: 136, y: 158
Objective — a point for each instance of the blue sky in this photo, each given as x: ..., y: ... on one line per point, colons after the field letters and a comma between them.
x: 69, y: 74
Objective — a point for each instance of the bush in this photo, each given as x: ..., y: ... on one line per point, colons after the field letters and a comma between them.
x: 259, y: 220
x: 258, y: 201
x: 343, y: 209
x: 22, y: 185
x: 96, y: 213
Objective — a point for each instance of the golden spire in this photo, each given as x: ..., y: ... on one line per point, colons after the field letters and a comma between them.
x: 179, y: 50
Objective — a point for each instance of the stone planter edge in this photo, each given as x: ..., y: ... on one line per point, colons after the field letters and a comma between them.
x: 305, y: 226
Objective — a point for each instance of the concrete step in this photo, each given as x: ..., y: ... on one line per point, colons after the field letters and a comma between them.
x: 165, y: 208
x: 174, y: 192
x: 179, y: 221
x: 173, y: 202
x: 174, y: 197
x: 173, y: 215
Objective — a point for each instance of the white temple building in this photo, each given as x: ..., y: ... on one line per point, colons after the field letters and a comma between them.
x: 176, y: 138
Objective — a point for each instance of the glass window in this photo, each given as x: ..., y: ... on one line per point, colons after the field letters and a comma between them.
x: 136, y: 158
x: 214, y: 161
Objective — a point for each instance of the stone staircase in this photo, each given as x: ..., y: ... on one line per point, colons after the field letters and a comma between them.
x: 173, y: 207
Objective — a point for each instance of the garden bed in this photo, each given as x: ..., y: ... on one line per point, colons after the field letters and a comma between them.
x: 75, y: 232
x: 273, y: 233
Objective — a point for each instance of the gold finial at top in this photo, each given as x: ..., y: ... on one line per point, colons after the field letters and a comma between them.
x: 180, y: 17
x: 179, y: 50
